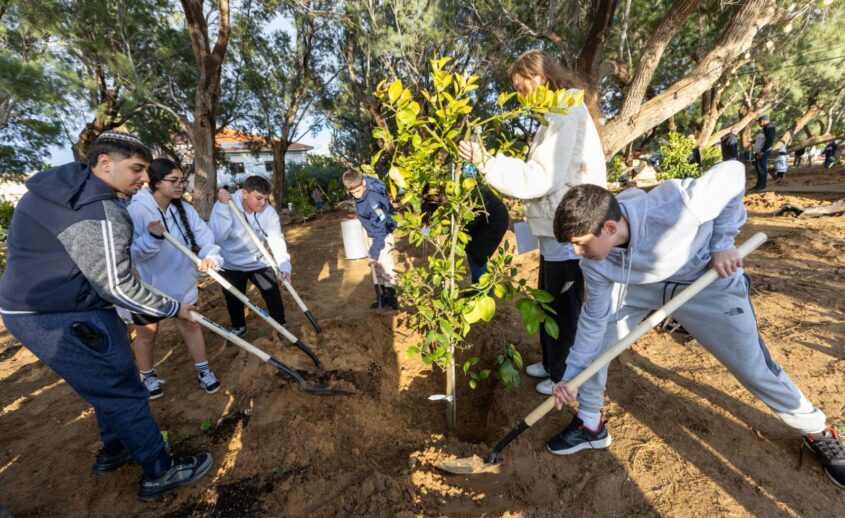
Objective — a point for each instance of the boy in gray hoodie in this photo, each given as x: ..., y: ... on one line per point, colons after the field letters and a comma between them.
x: 638, y: 250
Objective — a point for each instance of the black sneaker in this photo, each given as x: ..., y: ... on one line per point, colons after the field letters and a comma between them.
x: 239, y: 331
x: 184, y: 471
x: 106, y: 463
x: 830, y: 451
x: 576, y: 437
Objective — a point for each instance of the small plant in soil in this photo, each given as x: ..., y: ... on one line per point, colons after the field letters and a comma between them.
x: 442, y: 196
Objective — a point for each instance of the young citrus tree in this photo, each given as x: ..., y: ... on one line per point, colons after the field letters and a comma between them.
x: 443, y: 196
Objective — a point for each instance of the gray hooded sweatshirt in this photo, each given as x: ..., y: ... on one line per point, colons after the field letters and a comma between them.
x: 673, y: 230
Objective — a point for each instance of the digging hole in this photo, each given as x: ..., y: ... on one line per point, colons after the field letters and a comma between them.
x: 474, y: 407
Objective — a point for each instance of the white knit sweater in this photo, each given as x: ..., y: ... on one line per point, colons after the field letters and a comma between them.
x: 565, y: 153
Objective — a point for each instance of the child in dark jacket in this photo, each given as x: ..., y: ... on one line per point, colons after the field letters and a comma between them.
x: 374, y: 211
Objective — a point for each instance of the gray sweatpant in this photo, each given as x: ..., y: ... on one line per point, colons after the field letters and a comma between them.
x: 721, y: 318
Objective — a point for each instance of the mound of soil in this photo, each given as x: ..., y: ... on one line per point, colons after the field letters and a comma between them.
x: 687, y: 438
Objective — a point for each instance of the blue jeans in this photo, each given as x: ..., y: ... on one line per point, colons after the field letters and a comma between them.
x: 762, y: 166
x: 103, y: 372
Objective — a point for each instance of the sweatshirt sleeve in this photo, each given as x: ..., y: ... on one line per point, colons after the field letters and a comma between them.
x: 204, y: 236
x: 717, y: 196
x: 144, y: 245
x: 592, y: 323
x: 98, y: 247
x: 276, y: 240
x: 534, y: 178
x: 220, y: 221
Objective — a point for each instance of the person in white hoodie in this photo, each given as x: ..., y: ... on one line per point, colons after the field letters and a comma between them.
x: 564, y: 153
x: 244, y: 261
x: 639, y: 249
x: 161, y: 265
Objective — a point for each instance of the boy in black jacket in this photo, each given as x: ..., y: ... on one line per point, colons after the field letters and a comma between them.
x: 68, y: 266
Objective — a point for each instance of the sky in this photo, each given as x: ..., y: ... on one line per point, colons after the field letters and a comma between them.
x: 62, y: 154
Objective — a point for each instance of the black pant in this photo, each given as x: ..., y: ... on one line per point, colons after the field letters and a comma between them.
x: 564, y: 280
x: 265, y: 281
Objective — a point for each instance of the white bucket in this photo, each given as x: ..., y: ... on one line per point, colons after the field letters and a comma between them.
x: 354, y: 239
x: 525, y: 242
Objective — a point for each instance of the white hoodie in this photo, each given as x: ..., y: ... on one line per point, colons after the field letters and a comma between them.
x: 674, y: 229
x: 565, y: 153
x: 158, y: 262
x: 238, y: 250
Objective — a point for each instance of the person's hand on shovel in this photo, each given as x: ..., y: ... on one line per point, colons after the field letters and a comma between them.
x: 207, y: 264
x: 156, y: 228
x: 283, y: 277
x: 725, y: 263
x: 563, y: 394
x: 223, y: 196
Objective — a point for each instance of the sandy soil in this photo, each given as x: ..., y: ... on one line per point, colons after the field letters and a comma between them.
x: 688, y: 440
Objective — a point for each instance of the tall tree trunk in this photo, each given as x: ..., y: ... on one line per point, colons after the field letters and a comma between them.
x: 801, y: 122
x: 650, y: 58
x: 711, y: 110
x: 586, y: 72
x: 209, y: 67
x: 749, y: 111
x: 280, y: 149
x: 749, y: 18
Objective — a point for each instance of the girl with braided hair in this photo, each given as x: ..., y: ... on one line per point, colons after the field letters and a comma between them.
x: 155, y: 210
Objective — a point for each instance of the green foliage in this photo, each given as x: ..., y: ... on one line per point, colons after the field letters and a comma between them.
x: 425, y: 132
x: 509, y: 363
x: 7, y: 209
x: 675, y: 152
x: 615, y: 169
x: 322, y: 171
x: 205, y: 425
x: 710, y: 156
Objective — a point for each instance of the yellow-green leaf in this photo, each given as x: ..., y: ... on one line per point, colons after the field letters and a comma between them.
x: 394, y: 90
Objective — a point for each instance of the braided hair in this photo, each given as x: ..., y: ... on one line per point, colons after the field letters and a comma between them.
x: 157, y: 170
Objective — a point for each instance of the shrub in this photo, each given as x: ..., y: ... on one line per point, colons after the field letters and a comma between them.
x: 615, y: 169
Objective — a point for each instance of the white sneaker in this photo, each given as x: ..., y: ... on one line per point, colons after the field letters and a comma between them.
x: 545, y: 387
x: 209, y: 382
x: 536, y: 370
x: 153, y: 384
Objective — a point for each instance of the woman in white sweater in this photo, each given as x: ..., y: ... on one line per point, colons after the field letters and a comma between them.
x: 161, y: 265
x: 564, y: 153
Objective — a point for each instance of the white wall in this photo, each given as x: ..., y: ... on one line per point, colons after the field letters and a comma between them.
x: 254, y: 164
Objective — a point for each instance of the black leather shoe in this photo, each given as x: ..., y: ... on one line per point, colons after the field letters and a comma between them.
x: 184, y: 471
x: 106, y: 463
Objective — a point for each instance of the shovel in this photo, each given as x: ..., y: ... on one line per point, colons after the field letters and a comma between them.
x: 475, y: 464
x: 318, y: 389
x: 243, y: 298
x: 272, y: 262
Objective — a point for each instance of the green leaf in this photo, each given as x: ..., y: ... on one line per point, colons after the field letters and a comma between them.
x: 412, y: 351
x: 164, y: 435
x: 405, y: 117
x: 499, y: 291
x: 543, y: 296
x: 205, y: 425
x: 551, y: 327
x: 473, y: 384
x: 394, y: 90
x: 532, y: 326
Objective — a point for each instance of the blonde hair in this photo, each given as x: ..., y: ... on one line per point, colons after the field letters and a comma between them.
x: 533, y: 63
x: 352, y: 178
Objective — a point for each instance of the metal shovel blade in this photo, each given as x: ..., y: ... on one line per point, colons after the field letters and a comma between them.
x: 468, y: 466
x: 321, y: 389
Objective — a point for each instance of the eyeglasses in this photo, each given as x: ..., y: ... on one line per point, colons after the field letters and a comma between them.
x: 176, y: 181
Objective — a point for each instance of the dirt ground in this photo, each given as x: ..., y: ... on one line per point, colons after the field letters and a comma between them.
x: 688, y: 440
